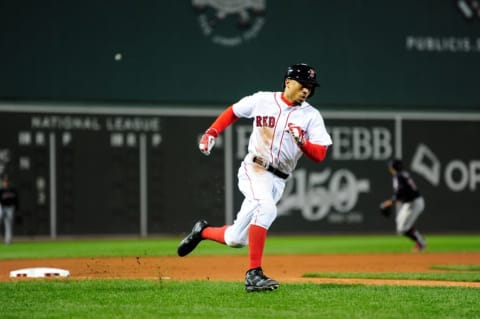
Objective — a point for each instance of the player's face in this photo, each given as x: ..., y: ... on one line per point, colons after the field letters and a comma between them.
x: 392, y: 170
x: 296, y: 92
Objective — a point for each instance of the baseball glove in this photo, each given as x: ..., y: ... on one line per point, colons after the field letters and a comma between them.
x: 386, y: 210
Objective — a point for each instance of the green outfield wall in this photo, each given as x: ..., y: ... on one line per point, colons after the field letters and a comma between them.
x: 107, y: 170
x: 368, y: 54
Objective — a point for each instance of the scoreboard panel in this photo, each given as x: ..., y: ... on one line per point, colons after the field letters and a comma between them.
x: 108, y: 173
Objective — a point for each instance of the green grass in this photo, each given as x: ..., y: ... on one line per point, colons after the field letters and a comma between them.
x: 274, y: 245
x: 100, y: 299
x: 470, y: 277
x: 204, y: 299
x: 89, y: 248
x: 457, y: 267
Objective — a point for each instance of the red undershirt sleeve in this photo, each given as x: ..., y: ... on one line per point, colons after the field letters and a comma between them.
x: 315, y: 152
x: 222, y: 122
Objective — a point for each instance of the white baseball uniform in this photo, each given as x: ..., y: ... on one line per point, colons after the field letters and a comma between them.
x: 270, y: 141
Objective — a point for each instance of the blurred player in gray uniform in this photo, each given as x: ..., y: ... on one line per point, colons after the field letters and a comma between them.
x: 284, y: 126
x: 408, y: 203
x: 8, y: 206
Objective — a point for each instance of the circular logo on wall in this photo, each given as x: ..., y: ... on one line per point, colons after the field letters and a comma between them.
x: 230, y: 22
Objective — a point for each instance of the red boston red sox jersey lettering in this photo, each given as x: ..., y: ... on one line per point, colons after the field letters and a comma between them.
x: 265, y: 121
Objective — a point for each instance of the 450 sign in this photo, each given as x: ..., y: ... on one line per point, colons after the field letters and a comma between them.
x: 319, y: 193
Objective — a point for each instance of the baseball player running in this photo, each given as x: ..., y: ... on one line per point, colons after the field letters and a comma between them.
x: 408, y: 202
x: 285, y: 126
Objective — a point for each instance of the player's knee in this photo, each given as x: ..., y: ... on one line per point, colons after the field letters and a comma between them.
x: 235, y: 243
x: 235, y: 239
x: 266, y: 214
x: 402, y: 231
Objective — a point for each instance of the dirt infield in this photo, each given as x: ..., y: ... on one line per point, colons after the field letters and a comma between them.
x: 285, y: 268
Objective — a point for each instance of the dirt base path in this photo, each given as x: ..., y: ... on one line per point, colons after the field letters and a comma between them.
x: 284, y: 268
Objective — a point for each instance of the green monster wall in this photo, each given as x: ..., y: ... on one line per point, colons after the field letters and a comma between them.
x: 369, y: 54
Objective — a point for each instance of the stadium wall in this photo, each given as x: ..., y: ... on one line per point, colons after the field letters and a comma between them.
x: 368, y: 54
x: 127, y: 170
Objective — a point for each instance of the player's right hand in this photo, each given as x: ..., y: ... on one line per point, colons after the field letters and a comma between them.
x: 207, y: 141
x: 386, y: 203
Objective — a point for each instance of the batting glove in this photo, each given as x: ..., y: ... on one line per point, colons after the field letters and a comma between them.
x: 297, y: 134
x: 207, y: 141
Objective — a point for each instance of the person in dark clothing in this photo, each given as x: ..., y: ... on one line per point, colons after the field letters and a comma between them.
x: 8, y: 206
x: 408, y: 202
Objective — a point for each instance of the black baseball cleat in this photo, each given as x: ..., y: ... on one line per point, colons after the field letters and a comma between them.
x: 193, y: 239
x: 255, y: 280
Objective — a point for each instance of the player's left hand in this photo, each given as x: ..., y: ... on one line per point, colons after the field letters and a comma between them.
x: 297, y: 134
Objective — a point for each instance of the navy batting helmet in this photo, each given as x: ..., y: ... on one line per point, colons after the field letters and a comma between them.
x: 396, y: 164
x: 304, y: 74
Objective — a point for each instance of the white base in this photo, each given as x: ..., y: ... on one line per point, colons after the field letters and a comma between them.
x: 39, y: 272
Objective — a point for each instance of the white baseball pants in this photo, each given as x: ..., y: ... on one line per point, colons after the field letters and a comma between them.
x: 262, y: 191
x: 408, y: 214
